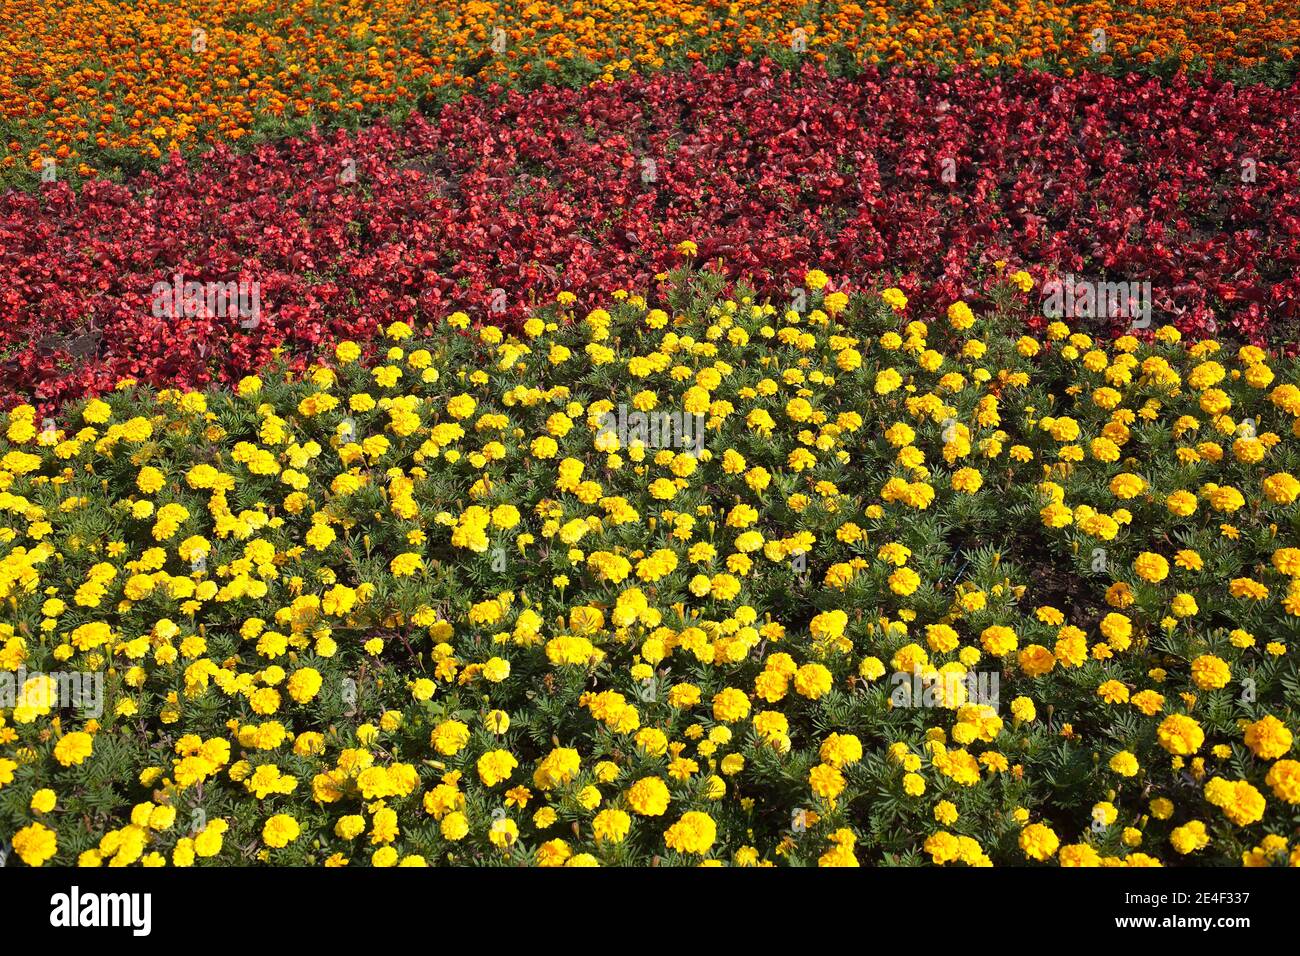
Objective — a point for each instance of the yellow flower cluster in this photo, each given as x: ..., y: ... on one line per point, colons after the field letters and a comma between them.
x: 706, y: 582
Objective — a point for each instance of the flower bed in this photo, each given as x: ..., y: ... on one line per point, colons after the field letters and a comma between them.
x: 681, y: 580
x: 1193, y: 189
x: 103, y: 86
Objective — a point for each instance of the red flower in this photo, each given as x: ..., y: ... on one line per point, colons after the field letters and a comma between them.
x: 919, y: 179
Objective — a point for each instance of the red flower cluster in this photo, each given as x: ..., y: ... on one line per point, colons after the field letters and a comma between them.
x: 503, y: 201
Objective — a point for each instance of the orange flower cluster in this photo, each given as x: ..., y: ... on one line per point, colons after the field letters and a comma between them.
x: 104, y: 84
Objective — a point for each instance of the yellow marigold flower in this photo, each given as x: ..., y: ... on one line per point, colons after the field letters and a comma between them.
x: 1210, y: 672
x: 815, y: 279
x: 695, y: 832
x: 895, y: 299
x: 1189, y: 837
x: 1124, y: 763
x: 1180, y: 735
x: 1151, y: 567
x: 35, y: 844
x: 960, y: 316
x: 73, y: 749
x: 280, y: 830
x: 1268, y: 738
x: 1039, y: 842
x: 1284, y: 778
x: 648, y: 797
x: 1239, y: 800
